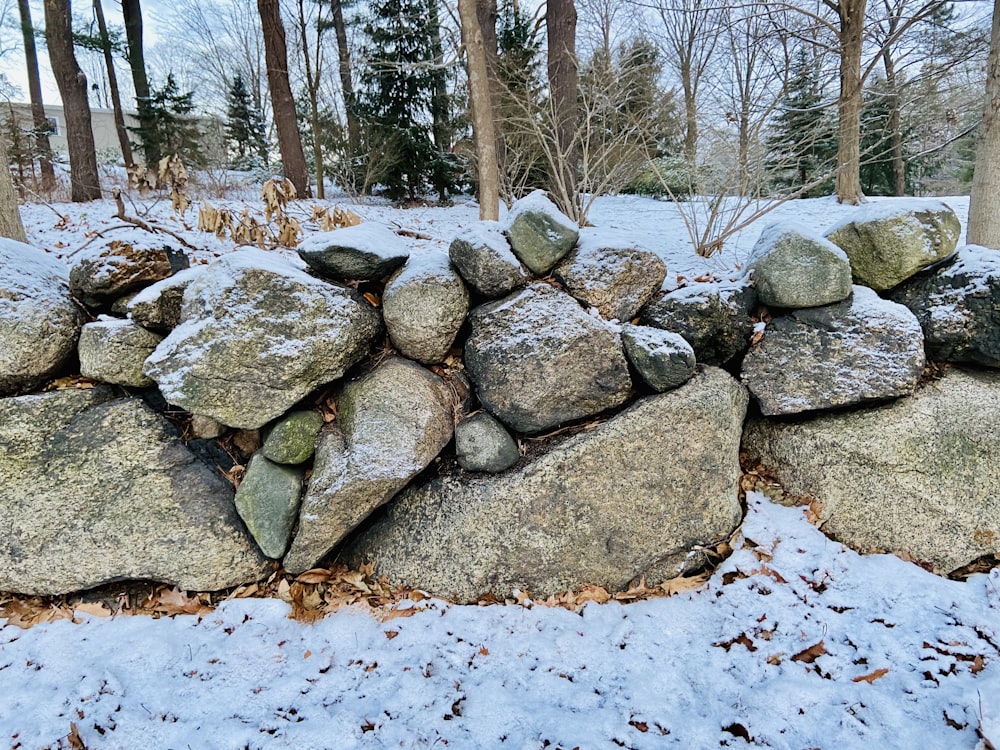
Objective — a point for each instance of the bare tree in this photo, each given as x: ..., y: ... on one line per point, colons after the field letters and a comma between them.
x: 312, y: 60
x: 282, y: 102
x: 116, y: 100
x: 132, y: 14
x: 84, y: 182
x: 10, y: 220
x: 38, y: 119
x: 984, y: 211
x: 563, y: 72
x: 481, y: 102
x: 346, y: 79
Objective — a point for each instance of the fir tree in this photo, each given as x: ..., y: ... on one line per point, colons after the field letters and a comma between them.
x: 245, y: 127
x: 876, y: 140
x: 171, y: 128
x: 803, y: 145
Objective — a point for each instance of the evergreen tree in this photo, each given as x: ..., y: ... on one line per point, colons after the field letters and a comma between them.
x: 171, y: 128
x: 399, y: 100
x: 876, y: 140
x: 244, y: 127
x: 803, y: 145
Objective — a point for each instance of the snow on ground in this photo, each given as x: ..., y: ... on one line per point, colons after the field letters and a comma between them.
x: 795, y: 642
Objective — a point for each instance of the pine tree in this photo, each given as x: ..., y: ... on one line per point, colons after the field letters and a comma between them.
x: 401, y: 86
x: 245, y: 127
x: 171, y: 129
x: 876, y: 140
x: 803, y: 145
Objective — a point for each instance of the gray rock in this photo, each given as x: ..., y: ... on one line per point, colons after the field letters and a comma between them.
x: 889, y: 242
x: 483, y: 444
x: 258, y: 335
x: 663, y: 359
x: 958, y: 307
x: 612, y: 273
x: 792, y: 267
x: 364, y: 251
x: 94, y: 490
x: 917, y: 476
x: 103, y: 274
x: 538, y: 360
x: 484, y: 259
x: 540, y: 235
x: 206, y: 428
x: 713, y: 317
x: 862, y: 349
x: 424, y: 305
x: 39, y: 323
x: 292, y: 439
x: 158, y: 306
x: 268, y: 502
x: 391, y: 424
x: 633, y: 497
x: 114, y: 350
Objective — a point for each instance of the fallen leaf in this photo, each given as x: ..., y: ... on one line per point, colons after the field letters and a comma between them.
x: 313, y: 576
x: 94, y: 609
x: 811, y: 654
x: 390, y: 634
x: 871, y: 676
x: 74, y: 739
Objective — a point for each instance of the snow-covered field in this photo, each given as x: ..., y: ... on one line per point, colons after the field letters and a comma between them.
x: 794, y: 642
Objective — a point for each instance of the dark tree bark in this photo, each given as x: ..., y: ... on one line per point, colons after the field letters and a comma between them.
x: 38, y: 119
x: 116, y: 100
x: 483, y: 132
x: 346, y: 82
x: 10, y: 220
x: 440, y: 115
x: 132, y: 14
x: 84, y: 182
x: 563, y: 72
x: 313, y: 80
x: 852, y: 22
x: 282, y: 102
x: 984, y: 211
x: 895, y: 126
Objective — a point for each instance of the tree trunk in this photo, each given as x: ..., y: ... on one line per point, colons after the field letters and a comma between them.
x: 116, y: 100
x: 984, y: 204
x: 440, y: 116
x: 482, y: 109
x: 132, y: 14
x: 852, y: 21
x: 312, y: 86
x: 563, y: 72
x: 690, y: 117
x: 346, y: 83
x: 85, y: 185
x: 895, y: 126
x: 293, y: 158
x: 10, y: 220
x: 38, y: 119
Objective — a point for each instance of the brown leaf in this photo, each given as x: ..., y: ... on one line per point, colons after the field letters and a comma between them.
x: 871, y: 676
x: 977, y: 664
x: 313, y: 576
x: 172, y: 601
x: 94, y: 609
x: 390, y: 634
x: 811, y: 654
x: 74, y: 739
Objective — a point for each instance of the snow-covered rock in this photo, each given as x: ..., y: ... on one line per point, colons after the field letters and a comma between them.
x: 258, y: 335
x: 664, y: 360
x: 114, y: 350
x: 538, y: 360
x: 104, y: 273
x: 889, y: 241
x: 793, y: 267
x: 424, y: 305
x: 714, y: 317
x: 268, y: 502
x: 539, y: 233
x: 158, y: 306
x: 610, y: 271
x: 483, y: 257
x: 483, y: 444
x: 862, y: 349
x: 958, y: 307
x: 630, y: 498
x: 39, y: 323
x: 364, y: 251
x: 390, y: 426
x: 917, y: 476
x: 94, y: 490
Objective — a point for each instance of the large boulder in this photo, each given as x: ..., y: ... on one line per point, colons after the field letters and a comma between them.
x: 114, y: 350
x: 890, y: 241
x: 103, y: 274
x: 958, y: 307
x: 714, y: 317
x: 631, y: 498
x: 539, y: 233
x: 363, y: 251
x: 538, y: 360
x: 862, y: 349
x: 258, y: 335
x: 391, y: 424
x: 424, y: 305
x: 39, y: 323
x: 917, y: 476
x: 158, y: 306
x: 94, y: 490
x: 792, y: 267
x: 611, y: 272
x: 484, y: 259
